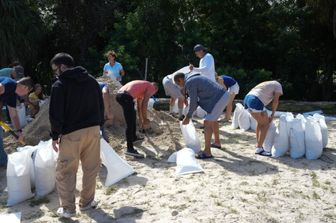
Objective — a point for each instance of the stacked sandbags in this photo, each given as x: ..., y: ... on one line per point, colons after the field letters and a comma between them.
x: 281, y: 140
x: 244, y: 120
x: 269, y: 140
x: 313, y: 139
x: 236, y: 113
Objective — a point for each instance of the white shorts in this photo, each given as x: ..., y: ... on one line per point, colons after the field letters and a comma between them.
x: 234, y: 89
x: 171, y: 89
x: 218, y: 109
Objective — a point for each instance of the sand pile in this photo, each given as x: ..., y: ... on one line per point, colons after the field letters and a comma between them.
x: 161, y: 140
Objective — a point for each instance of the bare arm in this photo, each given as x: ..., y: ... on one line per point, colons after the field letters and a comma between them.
x: 139, y: 108
x: 275, y: 103
x: 14, y: 116
x: 2, y: 89
x: 122, y: 72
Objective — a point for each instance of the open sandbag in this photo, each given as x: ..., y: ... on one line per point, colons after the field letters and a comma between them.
x: 297, y: 138
x: 190, y: 137
x: 45, y: 169
x: 313, y: 139
x: 18, y: 177
x: 281, y: 139
x: 324, y: 128
x: 186, y: 162
x: 236, y: 113
x: 244, y: 120
x: 253, y: 123
x: 269, y: 140
x: 117, y: 168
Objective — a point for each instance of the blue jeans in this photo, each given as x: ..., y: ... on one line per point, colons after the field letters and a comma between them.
x: 3, y: 154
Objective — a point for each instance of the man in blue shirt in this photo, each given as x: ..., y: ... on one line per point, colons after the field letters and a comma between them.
x: 212, y: 98
x: 9, y: 90
x: 231, y: 85
x: 113, y: 69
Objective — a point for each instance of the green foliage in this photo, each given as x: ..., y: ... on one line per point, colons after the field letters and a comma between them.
x: 292, y: 41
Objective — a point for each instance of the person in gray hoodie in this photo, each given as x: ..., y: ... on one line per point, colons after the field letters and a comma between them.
x: 211, y: 97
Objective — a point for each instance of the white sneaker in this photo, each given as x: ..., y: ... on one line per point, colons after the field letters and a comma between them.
x: 259, y: 150
x: 93, y: 204
x: 64, y: 213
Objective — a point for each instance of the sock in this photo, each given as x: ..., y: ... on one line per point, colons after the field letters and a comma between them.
x: 180, y: 110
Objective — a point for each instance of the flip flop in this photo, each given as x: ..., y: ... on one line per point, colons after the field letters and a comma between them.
x: 203, y: 156
x: 213, y: 145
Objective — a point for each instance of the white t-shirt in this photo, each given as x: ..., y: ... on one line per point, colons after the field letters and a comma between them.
x: 265, y: 91
x: 207, y: 67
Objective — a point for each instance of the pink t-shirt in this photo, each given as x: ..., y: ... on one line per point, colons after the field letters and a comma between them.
x: 139, y: 89
x: 265, y: 91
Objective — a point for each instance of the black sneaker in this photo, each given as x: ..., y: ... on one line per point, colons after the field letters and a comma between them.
x: 138, y: 139
x: 181, y: 117
x: 134, y: 153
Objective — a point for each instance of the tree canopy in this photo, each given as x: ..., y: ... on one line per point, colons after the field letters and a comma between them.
x: 252, y: 40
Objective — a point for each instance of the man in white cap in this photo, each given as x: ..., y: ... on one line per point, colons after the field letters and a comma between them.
x: 206, y: 65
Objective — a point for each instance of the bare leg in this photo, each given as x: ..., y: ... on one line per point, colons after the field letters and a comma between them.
x: 208, y: 126
x: 228, y: 111
x: 171, y: 104
x: 262, y: 126
x: 216, y: 133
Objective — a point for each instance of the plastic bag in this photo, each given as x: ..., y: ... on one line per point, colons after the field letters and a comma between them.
x: 186, y: 162
x: 313, y: 139
x: 281, y: 139
x: 18, y: 177
x: 200, y: 112
x: 45, y: 168
x: 236, y: 113
x: 191, y: 139
x: 297, y: 139
x: 117, y: 168
x: 324, y: 128
x: 244, y: 120
x: 269, y: 140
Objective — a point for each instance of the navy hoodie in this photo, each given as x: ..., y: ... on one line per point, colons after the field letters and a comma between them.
x: 76, y: 102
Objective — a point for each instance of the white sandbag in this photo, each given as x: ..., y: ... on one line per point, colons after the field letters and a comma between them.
x: 10, y: 217
x: 172, y: 158
x: 186, y: 162
x: 45, y: 168
x: 21, y: 111
x: 313, y: 139
x: 31, y: 150
x: 236, y: 113
x: 244, y: 120
x: 200, y: 112
x: 324, y: 128
x: 306, y: 114
x: 303, y: 120
x: 150, y: 104
x: 175, y: 107
x: 190, y: 137
x: 269, y: 140
x: 117, y: 168
x: 281, y: 139
x: 18, y: 177
x: 297, y: 138
x: 253, y: 123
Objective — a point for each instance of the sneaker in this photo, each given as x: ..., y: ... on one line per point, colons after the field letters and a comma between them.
x: 265, y: 153
x: 174, y: 115
x: 181, y: 117
x: 134, y: 153
x: 64, y: 213
x: 92, y: 205
x: 259, y: 150
x: 138, y: 139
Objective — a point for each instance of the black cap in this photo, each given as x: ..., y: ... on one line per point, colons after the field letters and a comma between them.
x: 199, y: 47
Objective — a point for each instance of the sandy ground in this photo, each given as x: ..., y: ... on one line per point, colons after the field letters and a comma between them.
x: 237, y: 186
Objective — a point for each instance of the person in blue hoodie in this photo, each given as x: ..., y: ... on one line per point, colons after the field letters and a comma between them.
x: 211, y: 97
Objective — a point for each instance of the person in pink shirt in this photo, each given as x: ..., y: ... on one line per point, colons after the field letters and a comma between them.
x: 140, y: 91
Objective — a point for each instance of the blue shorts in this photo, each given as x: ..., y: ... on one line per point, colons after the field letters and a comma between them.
x: 253, y: 103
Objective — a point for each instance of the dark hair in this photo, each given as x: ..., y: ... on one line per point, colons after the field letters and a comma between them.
x: 179, y: 76
x: 199, y: 47
x: 112, y: 53
x: 62, y: 58
x: 26, y: 81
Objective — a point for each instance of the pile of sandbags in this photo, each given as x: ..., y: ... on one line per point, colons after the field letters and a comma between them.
x: 31, y: 166
x: 243, y: 119
x: 300, y: 136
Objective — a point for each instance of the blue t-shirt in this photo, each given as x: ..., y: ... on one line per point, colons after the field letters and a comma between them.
x: 113, y: 71
x: 228, y: 81
x: 6, y: 72
x: 102, y: 85
x: 9, y: 96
